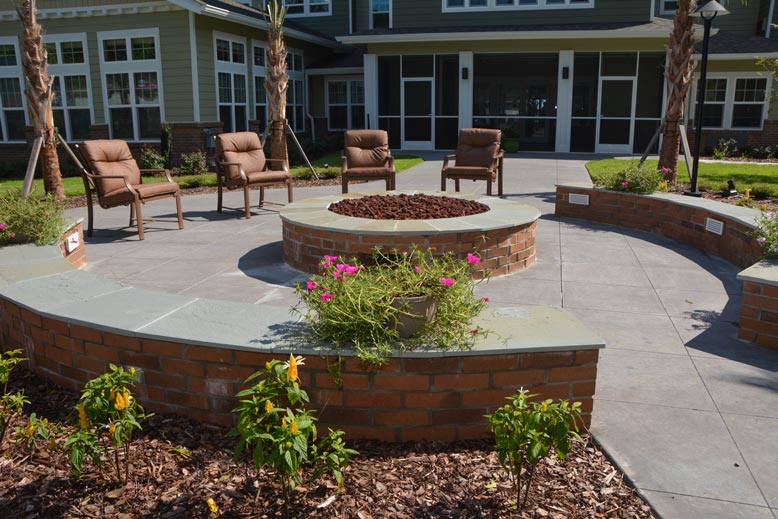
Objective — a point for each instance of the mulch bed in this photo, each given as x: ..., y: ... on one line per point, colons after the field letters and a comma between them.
x: 770, y: 204
x: 400, y: 481
x: 407, y: 207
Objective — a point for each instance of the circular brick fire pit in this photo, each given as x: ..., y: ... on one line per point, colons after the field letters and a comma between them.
x: 504, y: 236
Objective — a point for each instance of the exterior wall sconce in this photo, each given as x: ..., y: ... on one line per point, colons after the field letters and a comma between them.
x: 465, y: 73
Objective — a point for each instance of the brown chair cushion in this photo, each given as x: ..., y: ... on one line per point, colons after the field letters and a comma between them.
x: 156, y: 189
x: 477, y: 147
x: 366, y: 148
x: 469, y: 172
x: 369, y: 172
x: 110, y: 157
x: 268, y: 176
x: 242, y: 147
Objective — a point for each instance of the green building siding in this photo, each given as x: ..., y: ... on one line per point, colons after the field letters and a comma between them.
x: 336, y: 24
x: 743, y: 18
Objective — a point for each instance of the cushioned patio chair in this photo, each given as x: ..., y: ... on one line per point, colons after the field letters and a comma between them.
x: 241, y: 163
x: 478, y: 157
x: 111, y: 174
x: 366, y: 156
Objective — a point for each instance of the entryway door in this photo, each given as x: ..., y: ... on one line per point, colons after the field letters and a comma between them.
x: 616, y: 115
x: 418, y: 122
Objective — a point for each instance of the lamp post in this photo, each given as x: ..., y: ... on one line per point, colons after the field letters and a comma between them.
x: 707, y: 11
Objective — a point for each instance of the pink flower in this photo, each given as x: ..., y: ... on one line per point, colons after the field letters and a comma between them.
x: 311, y: 285
x: 351, y: 269
x: 474, y: 331
x: 472, y: 258
x: 624, y: 184
x: 665, y: 170
x: 486, y: 299
x: 417, y: 268
x: 330, y: 258
x: 3, y: 226
x: 326, y: 297
x: 761, y: 241
x: 336, y: 274
x: 341, y: 267
x: 447, y: 281
x: 13, y: 235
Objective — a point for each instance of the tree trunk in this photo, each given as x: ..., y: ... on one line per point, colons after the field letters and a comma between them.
x: 277, y: 81
x: 38, y: 90
x: 678, y: 78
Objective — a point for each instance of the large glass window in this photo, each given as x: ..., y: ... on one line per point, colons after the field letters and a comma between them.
x: 231, y: 81
x: 295, y: 94
x: 518, y: 94
x: 748, y: 108
x: 132, y: 80
x: 12, y: 105
x: 260, y: 94
x: 308, y: 7
x: 715, y: 99
x: 734, y: 101
x: 345, y: 104
x: 70, y: 68
x: 668, y: 6
x: 482, y: 5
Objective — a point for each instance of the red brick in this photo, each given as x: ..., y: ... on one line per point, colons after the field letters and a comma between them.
x: 255, y: 359
x: 121, y: 341
x: 746, y: 335
x: 170, y: 349
x: 164, y: 380
x: 373, y: 400
x: 435, y: 400
x: 752, y: 288
x: 55, y: 326
x: 228, y: 372
x: 94, y: 366
x: 749, y: 312
x: 518, y: 378
x: 66, y: 343
x: 345, y: 416
x: 184, y: 367
x: 86, y: 334
x: 486, y: 397
x: 404, y: 382
x: 545, y: 360
x: 30, y: 317
x: 101, y: 352
x: 766, y: 315
x: 490, y: 362
x: 186, y: 399
x: 770, y: 291
x: 473, y: 432
x: 41, y: 336
x: 432, y: 365
x: 583, y: 389
x: 767, y: 340
x: 139, y: 360
x: 552, y: 391
x: 458, y: 416
x: 401, y: 417
x: 356, y: 432
x: 59, y: 355
x: 325, y: 397
x: 760, y: 327
x: 74, y: 374
x: 440, y: 434
x: 586, y: 356
x: 347, y: 381
x: 208, y: 353
x: 463, y: 381
x: 572, y: 374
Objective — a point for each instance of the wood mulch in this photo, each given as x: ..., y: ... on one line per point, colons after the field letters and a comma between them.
x: 177, y: 464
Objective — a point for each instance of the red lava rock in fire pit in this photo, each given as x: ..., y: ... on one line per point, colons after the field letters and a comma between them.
x: 407, y: 207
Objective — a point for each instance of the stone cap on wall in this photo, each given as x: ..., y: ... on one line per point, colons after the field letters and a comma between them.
x: 764, y: 272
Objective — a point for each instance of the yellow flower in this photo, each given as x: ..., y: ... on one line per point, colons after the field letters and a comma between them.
x: 747, y: 194
x: 292, y: 368
x: 293, y: 428
x: 763, y: 207
x: 83, y: 421
x: 132, y: 371
x: 112, y: 428
x: 663, y: 185
x: 268, y: 406
x: 30, y: 430
x: 267, y: 365
x: 212, y: 506
x: 121, y: 401
x: 113, y: 395
x: 52, y: 443
x: 544, y: 407
x: 283, y: 422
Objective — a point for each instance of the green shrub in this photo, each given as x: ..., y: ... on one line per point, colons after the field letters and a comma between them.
x: 166, y: 144
x: 150, y: 158
x: 11, y: 404
x: 726, y: 148
x: 762, y: 191
x: 274, y: 426
x: 193, y: 164
x: 633, y: 179
x: 526, y: 432
x: 34, y: 219
x: 766, y: 233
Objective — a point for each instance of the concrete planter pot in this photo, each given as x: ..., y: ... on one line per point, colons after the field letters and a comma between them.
x: 415, y: 312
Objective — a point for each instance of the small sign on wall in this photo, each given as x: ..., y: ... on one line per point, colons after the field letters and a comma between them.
x: 72, y: 242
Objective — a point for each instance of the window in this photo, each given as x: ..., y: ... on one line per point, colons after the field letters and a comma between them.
x: 132, y: 83
x: 308, y: 7
x: 295, y: 94
x: 231, y: 82
x: 12, y: 104
x: 345, y: 104
x: 483, y: 5
x: 734, y: 101
x: 260, y: 95
x: 668, y: 6
x: 70, y: 68
x: 381, y: 14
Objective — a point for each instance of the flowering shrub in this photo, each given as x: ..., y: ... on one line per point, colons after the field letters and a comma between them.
x: 29, y: 220
x: 353, y: 304
x: 767, y: 232
x: 633, y: 179
x: 11, y: 404
x: 106, y: 414
x: 526, y: 432
x: 274, y: 426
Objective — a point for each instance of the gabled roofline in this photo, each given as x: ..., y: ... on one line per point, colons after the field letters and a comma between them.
x: 502, y: 35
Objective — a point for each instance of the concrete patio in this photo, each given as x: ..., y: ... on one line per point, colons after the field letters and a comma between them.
x: 688, y: 411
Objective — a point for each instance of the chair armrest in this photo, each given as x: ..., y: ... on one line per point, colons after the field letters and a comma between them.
x: 447, y: 158
x: 238, y: 164
x: 281, y: 161
x: 498, y: 158
x: 343, y: 162
x: 92, y: 178
x: 390, y: 162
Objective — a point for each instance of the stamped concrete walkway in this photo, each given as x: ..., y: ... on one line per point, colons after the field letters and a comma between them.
x: 689, y: 412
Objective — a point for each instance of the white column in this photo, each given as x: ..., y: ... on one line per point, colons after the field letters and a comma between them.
x: 564, y: 96
x: 466, y: 90
x: 371, y: 89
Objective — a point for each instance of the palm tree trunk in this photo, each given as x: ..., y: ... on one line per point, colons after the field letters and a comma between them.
x: 38, y: 90
x: 678, y: 78
x: 277, y: 81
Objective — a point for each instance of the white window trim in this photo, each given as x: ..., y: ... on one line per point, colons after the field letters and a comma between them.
x: 491, y: 5
x: 729, y: 100
x: 231, y: 68
x: 663, y: 10
x: 14, y: 71
x: 297, y: 75
x: 130, y: 67
x: 307, y: 10
x: 72, y: 69
x: 257, y: 72
x: 348, y: 104
x: 391, y: 14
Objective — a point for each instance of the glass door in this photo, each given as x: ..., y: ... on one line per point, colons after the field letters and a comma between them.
x: 417, y: 103
x: 617, y: 113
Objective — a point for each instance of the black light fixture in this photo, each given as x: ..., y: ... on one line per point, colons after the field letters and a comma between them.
x: 708, y: 11
x: 565, y: 72
x: 465, y: 72
x: 731, y: 189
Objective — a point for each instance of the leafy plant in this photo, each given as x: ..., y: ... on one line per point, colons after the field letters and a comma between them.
x: 34, y: 431
x: 767, y: 232
x: 762, y: 191
x: 633, y: 179
x: 353, y: 304
x: 150, y: 158
x: 105, y: 417
x: 193, y: 164
x: 11, y: 404
x: 526, y: 432
x: 726, y: 148
x: 274, y: 426
x: 35, y: 219
x: 166, y: 144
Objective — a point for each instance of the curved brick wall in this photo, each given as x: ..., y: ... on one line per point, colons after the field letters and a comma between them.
x: 668, y: 216
x: 442, y: 398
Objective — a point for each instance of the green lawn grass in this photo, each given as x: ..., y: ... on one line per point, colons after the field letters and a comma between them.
x: 74, y: 186
x: 762, y: 179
